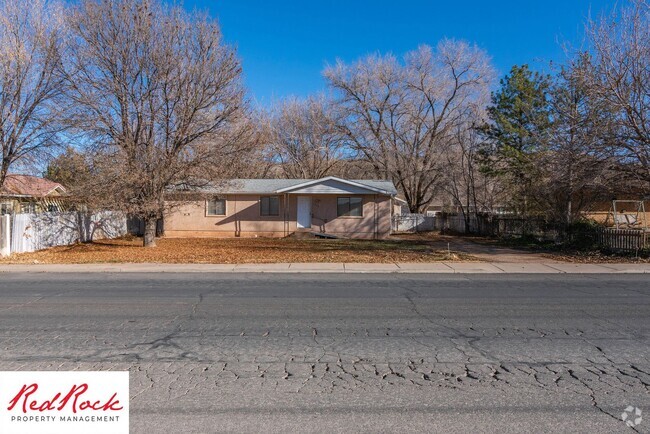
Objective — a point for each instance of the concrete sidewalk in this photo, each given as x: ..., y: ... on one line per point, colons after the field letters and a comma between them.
x: 434, y: 267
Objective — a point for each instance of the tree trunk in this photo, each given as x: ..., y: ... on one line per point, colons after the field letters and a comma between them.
x: 150, y: 232
x: 466, y: 214
x: 3, y: 172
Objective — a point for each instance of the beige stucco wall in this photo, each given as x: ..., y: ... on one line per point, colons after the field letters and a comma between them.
x: 601, y: 212
x: 607, y: 219
x: 243, y: 218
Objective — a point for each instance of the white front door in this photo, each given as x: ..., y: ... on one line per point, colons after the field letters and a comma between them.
x: 304, y: 212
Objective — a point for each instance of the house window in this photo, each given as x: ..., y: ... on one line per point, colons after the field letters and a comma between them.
x: 217, y: 206
x: 349, y: 206
x: 269, y: 205
x: 6, y: 208
x: 28, y: 208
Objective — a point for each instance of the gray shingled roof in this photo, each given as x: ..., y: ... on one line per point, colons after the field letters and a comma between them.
x: 257, y: 186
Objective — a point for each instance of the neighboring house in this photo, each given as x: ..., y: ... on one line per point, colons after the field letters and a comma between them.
x: 30, y: 194
x: 282, y: 207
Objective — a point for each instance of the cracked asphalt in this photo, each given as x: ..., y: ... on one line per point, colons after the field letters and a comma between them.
x: 340, y: 353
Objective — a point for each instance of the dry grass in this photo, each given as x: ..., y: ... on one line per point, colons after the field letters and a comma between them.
x: 230, y: 251
x: 597, y: 258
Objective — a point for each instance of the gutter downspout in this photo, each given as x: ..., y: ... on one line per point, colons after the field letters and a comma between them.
x: 286, y: 214
x: 375, y: 217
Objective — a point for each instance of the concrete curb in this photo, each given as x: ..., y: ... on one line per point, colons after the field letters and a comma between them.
x: 339, y: 267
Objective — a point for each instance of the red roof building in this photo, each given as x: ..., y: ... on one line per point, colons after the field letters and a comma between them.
x: 30, y: 194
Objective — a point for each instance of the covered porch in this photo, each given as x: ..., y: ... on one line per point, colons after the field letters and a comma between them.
x: 337, y: 208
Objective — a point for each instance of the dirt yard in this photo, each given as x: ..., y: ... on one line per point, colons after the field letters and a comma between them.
x: 483, y: 249
x: 491, y: 250
x: 250, y: 250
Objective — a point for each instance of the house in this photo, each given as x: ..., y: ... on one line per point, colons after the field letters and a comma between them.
x: 30, y: 195
x: 283, y: 207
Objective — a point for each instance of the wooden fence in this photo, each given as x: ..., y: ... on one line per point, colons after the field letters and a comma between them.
x: 623, y: 239
x: 632, y: 240
x: 499, y: 226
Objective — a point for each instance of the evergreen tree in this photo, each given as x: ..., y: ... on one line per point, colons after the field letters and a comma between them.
x: 519, y: 118
x: 70, y: 169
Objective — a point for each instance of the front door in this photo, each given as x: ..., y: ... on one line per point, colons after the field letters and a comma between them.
x: 304, y: 212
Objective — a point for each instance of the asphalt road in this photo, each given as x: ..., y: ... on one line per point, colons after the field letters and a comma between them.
x: 340, y: 353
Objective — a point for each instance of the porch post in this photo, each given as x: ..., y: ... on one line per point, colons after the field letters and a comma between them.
x: 5, y: 235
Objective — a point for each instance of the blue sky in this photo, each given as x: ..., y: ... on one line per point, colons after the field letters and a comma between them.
x: 284, y: 45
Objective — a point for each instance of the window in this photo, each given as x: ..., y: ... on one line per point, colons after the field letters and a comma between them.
x: 349, y: 207
x: 269, y: 205
x: 28, y: 208
x: 6, y: 208
x: 217, y: 206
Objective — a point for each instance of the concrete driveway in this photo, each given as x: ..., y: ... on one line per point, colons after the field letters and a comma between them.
x: 479, y: 248
x: 493, y: 253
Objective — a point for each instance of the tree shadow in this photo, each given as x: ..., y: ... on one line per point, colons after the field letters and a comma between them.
x: 65, y: 228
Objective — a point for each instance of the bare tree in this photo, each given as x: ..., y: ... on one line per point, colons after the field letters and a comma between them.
x: 304, y: 138
x: 157, y: 97
x: 401, y: 117
x: 572, y: 160
x: 620, y: 77
x: 31, y: 37
x: 470, y: 189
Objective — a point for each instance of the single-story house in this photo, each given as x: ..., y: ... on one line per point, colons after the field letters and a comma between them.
x: 30, y: 194
x: 283, y: 207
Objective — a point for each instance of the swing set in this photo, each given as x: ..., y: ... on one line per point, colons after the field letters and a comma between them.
x: 628, y: 214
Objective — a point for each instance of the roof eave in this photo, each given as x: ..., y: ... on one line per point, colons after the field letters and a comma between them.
x: 334, y: 178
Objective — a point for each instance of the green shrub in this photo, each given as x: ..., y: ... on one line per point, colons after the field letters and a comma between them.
x: 582, y: 236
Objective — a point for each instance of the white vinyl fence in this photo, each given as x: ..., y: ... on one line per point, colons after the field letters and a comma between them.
x: 424, y: 223
x: 413, y: 223
x: 5, y: 235
x: 31, y: 232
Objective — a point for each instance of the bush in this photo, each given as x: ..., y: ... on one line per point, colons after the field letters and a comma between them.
x: 582, y: 236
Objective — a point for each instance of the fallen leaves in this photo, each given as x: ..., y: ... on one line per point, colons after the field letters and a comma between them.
x: 248, y: 250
